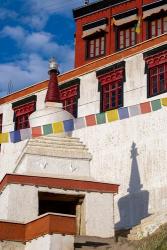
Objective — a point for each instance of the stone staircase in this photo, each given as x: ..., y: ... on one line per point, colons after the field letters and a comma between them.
x: 148, y: 226
x: 58, y: 146
x: 54, y: 154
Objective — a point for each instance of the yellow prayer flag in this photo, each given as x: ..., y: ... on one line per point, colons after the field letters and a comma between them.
x: 164, y: 101
x: 138, y: 26
x: 58, y: 127
x: 112, y: 115
x: 4, y: 138
x: 113, y: 21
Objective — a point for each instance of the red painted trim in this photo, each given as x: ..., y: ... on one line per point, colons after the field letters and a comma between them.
x: 69, y: 184
x: 47, y: 224
x: 156, y: 59
x: 92, y: 66
x: 69, y: 92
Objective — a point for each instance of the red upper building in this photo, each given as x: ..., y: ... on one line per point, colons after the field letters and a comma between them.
x: 107, y: 26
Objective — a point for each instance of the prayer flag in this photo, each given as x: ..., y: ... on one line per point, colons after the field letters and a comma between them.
x: 47, y: 129
x: 123, y: 113
x: 90, y: 120
x: 134, y: 110
x: 145, y: 107
x: 164, y: 101
x: 58, y: 127
x: 79, y: 123
x: 68, y: 125
x: 25, y: 134
x: 112, y: 115
x: 15, y: 136
x: 36, y: 131
x: 101, y: 118
x: 4, y: 138
x: 138, y: 28
x: 156, y: 105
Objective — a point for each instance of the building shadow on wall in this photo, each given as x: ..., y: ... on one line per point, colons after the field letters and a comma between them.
x: 134, y: 206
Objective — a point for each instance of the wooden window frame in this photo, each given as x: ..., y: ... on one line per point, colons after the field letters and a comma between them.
x: 154, y: 65
x: 156, y: 19
x: 94, y: 39
x: 69, y: 97
x: 155, y: 75
x: 22, y: 113
x: 111, y: 89
x: 124, y: 29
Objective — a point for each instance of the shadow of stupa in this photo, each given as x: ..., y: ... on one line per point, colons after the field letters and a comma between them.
x: 134, y: 206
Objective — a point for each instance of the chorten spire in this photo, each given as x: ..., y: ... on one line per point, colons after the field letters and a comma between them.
x: 53, y: 94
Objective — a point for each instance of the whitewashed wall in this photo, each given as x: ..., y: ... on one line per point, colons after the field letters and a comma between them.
x: 51, y: 242
x: 20, y: 203
x: 111, y: 146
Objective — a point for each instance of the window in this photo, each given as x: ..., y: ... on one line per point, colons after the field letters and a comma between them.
x: 95, y: 47
x: 112, y: 95
x: 69, y: 97
x: 1, y: 117
x: 22, y: 110
x: 157, y: 26
x: 111, y: 86
x: 156, y: 69
x: 158, y: 79
x: 126, y: 37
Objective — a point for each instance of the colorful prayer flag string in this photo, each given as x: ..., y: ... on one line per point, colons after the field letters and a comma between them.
x: 82, y: 122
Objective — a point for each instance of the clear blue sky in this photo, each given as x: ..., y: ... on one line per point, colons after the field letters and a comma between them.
x: 32, y: 31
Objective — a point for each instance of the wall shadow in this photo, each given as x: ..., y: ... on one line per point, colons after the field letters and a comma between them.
x: 134, y: 206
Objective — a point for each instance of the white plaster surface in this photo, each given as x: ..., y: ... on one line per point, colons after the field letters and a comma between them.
x: 51, y: 242
x: 129, y: 152
x: 54, y: 165
x: 48, y: 115
x: 99, y: 215
x: 19, y: 203
x: 4, y: 203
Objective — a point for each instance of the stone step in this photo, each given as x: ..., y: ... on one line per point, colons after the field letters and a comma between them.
x: 73, y: 143
x: 59, y: 152
x: 59, y: 145
x: 59, y: 138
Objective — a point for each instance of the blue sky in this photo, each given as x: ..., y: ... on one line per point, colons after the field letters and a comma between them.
x: 32, y: 31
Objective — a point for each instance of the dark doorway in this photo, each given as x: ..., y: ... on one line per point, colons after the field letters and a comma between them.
x: 58, y: 203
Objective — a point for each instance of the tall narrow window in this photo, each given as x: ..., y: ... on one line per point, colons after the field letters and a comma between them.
x: 158, y: 79
x: 95, y: 47
x: 126, y: 37
x: 22, y: 110
x: 111, y: 86
x: 69, y: 97
x: 157, y: 27
x: 112, y: 95
x: 156, y: 69
x: 1, y: 117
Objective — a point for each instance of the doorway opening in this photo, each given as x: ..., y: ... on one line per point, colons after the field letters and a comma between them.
x: 63, y: 204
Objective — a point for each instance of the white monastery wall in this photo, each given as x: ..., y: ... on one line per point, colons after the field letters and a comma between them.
x: 99, y: 214
x: 19, y: 203
x: 4, y: 199
x: 22, y: 206
x: 129, y: 152
x: 51, y: 242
